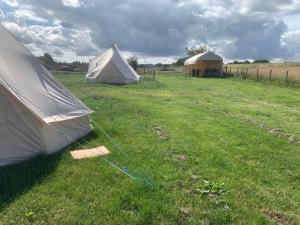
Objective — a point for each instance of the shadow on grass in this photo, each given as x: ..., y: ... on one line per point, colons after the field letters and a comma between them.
x: 17, y: 179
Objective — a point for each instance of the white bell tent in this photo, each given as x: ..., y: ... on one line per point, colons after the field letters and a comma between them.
x: 38, y: 115
x: 110, y: 67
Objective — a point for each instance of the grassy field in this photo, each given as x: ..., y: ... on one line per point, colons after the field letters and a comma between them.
x: 204, y: 151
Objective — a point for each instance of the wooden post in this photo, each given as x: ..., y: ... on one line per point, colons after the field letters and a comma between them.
x: 229, y: 70
x: 287, y: 77
x: 226, y: 69
x: 246, y: 73
x: 257, y: 72
x: 270, y: 75
x: 154, y: 73
x: 237, y: 72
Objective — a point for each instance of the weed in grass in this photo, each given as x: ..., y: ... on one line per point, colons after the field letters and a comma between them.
x: 30, y: 216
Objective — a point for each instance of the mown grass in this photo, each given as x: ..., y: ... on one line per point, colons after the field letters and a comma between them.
x: 205, y: 147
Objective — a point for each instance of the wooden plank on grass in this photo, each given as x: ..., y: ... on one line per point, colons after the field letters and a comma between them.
x: 89, y: 153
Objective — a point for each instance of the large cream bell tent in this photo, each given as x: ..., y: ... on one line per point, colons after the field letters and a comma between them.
x: 110, y: 67
x: 38, y: 115
x: 206, y: 64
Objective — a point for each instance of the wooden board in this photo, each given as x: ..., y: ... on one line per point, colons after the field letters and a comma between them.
x: 90, y: 153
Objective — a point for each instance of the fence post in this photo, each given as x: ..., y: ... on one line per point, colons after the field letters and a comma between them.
x: 237, y: 72
x: 154, y: 73
x: 270, y: 75
x: 287, y: 77
x: 226, y: 70
x: 229, y: 70
x: 246, y: 73
x: 257, y: 71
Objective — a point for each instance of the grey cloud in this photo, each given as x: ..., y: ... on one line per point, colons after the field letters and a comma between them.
x: 256, y: 37
x: 155, y: 28
x: 237, y: 29
x: 58, y: 52
x: 266, y: 5
x: 66, y: 24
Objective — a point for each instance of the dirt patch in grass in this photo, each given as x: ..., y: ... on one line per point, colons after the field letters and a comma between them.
x: 275, y: 131
x: 180, y: 158
x: 278, y: 218
x: 161, y: 132
x: 183, y: 215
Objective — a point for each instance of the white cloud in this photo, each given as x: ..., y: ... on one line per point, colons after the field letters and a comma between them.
x: 23, y: 15
x: 65, y: 43
x: 2, y: 15
x: 71, y: 3
x: 291, y: 42
x: 12, y: 3
x: 292, y: 38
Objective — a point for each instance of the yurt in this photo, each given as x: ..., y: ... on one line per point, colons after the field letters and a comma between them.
x: 206, y: 64
x: 110, y: 67
x: 38, y: 115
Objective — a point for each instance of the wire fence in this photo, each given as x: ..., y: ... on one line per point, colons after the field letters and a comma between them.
x: 285, y: 75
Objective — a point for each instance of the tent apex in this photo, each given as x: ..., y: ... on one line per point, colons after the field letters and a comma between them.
x: 114, y: 45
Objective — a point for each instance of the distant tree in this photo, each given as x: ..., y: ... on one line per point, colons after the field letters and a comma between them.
x: 47, y: 58
x: 166, y: 67
x: 195, y: 50
x: 180, y: 62
x: 48, y: 61
x: 158, y: 65
x: 261, y: 61
x: 133, y: 62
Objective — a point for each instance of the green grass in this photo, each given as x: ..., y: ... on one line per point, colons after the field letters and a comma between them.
x: 206, y: 145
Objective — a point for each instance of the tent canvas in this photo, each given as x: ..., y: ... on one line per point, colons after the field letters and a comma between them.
x: 37, y: 114
x: 206, y: 56
x: 111, y: 67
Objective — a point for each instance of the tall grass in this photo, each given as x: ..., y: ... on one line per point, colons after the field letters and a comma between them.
x: 288, y: 73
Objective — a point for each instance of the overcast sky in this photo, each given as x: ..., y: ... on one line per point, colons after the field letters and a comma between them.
x: 156, y: 30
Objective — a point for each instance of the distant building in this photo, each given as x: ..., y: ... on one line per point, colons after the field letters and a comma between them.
x: 206, y: 64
